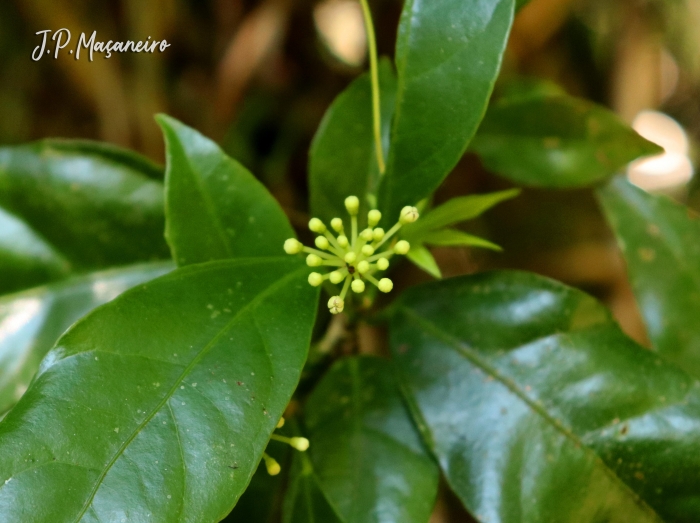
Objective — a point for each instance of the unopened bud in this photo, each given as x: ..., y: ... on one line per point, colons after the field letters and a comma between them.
x: 408, y: 214
x: 317, y: 226
x: 385, y: 285
x: 337, y: 224
x: 382, y: 264
x: 378, y: 234
x: 368, y: 250
x: 293, y: 246
x: 358, y: 286
x: 402, y: 247
x: 343, y: 241
x: 363, y: 266
x: 301, y: 444
x: 336, y: 277
x: 273, y: 468
x: 352, y: 204
x: 367, y: 235
x: 350, y: 257
x: 374, y: 217
x: 321, y: 242
x: 315, y: 279
x: 313, y: 261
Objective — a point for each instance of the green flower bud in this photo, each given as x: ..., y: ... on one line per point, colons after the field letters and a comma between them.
x: 358, y: 286
x: 374, y: 217
x: 382, y: 264
x: 367, y: 235
x: 402, y: 247
x: 408, y: 215
x: 363, y: 266
x: 336, y: 305
x: 317, y: 226
x: 315, y: 279
x: 293, y: 246
x: 301, y: 444
x: 321, y: 242
x: 350, y: 257
x: 336, y: 277
x: 337, y: 224
x: 378, y: 234
x: 273, y: 468
x: 313, y: 261
x: 385, y: 285
x: 343, y: 241
x: 352, y: 204
x: 368, y: 250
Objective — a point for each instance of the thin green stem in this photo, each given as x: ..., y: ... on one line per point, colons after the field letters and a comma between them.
x: 388, y: 235
x: 353, y: 240
x: 322, y: 254
x: 348, y: 279
x: 374, y: 72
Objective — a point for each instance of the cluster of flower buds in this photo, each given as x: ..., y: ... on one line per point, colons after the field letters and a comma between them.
x: 300, y: 444
x: 354, y: 257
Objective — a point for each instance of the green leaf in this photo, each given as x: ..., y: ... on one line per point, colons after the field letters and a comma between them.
x: 26, y: 259
x: 216, y: 209
x: 422, y: 258
x: 456, y: 210
x: 304, y: 501
x: 660, y: 241
x: 32, y: 321
x: 156, y: 397
x: 342, y: 160
x: 555, y: 140
x: 539, y: 408
x: 453, y: 238
x: 365, y: 451
x: 94, y: 204
x: 448, y: 55
x: 110, y: 152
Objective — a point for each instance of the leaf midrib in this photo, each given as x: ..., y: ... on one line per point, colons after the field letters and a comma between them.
x: 263, y: 294
x: 490, y: 370
x: 208, y: 204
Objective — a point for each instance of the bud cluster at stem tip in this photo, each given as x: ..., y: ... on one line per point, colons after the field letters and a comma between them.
x: 353, y: 257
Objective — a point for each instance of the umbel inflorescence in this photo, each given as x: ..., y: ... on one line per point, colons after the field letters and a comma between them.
x: 355, y: 258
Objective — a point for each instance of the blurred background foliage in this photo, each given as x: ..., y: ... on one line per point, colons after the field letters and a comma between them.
x: 257, y: 77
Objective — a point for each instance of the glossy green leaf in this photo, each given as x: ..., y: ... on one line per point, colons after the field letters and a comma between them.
x: 448, y: 55
x: 149, y: 404
x: 96, y: 206
x: 540, y: 409
x: 107, y: 151
x: 456, y: 210
x: 555, y: 140
x: 422, y: 258
x: 342, y: 160
x: 32, y: 321
x: 216, y: 209
x: 660, y: 241
x: 453, y: 238
x: 304, y: 501
x: 26, y: 259
x: 365, y: 451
